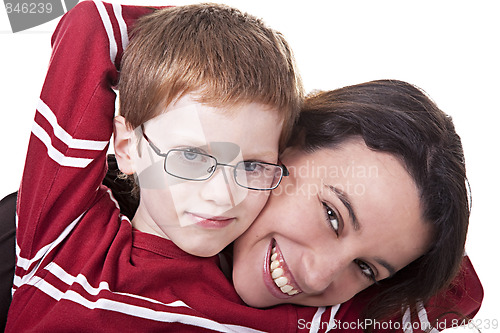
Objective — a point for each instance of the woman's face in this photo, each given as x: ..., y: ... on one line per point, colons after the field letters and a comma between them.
x: 343, y: 219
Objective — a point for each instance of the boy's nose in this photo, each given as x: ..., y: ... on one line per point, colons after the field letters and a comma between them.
x: 221, y: 189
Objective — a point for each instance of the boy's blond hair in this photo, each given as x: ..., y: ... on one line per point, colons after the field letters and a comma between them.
x: 226, y: 57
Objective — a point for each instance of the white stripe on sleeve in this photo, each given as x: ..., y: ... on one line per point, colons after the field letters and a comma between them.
x: 64, y: 136
x: 117, y: 9
x: 106, y: 21
x: 425, y: 325
x: 55, y: 154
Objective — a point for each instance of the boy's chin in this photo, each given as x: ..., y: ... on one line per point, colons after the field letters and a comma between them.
x: 201, y: 251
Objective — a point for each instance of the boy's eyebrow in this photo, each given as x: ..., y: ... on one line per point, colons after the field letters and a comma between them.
x: 344, y: 198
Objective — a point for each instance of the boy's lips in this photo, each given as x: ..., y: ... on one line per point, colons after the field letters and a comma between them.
x: 211, y: 222
x: 277, y: 276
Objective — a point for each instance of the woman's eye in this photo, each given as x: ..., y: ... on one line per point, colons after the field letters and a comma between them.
x: 366, y: 270
x: 331, y: 218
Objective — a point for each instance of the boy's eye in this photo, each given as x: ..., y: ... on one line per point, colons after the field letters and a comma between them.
x: 193, y: 154
x: 189, y: 155
x: 331, y: 218
x: 252, y: 166
x: 365, y: 269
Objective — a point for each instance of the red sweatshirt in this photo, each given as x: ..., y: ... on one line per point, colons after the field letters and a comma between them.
x: 80, y: 264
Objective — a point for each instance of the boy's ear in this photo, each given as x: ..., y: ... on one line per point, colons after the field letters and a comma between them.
x: 124, y: 146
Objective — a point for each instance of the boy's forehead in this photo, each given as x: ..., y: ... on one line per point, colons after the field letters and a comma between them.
x: 185, y: 123
x: 191, y: 121
x: 191, y: 104
x: 175, y: 117
x: 195, y: 120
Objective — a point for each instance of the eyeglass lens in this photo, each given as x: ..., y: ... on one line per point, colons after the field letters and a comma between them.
x: 197, y: 166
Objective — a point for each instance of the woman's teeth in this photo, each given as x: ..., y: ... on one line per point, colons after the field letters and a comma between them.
x: 277, y: 273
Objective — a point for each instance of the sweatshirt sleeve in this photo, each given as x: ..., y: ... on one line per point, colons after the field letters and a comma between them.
x: 66, y: 159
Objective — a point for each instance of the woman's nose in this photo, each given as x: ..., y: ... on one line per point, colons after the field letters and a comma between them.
x: 322, y: 270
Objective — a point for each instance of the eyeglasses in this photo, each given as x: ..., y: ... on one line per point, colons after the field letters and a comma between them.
x: 190, y: 164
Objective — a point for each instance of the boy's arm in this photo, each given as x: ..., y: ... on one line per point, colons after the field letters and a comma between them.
x: 66, y: 158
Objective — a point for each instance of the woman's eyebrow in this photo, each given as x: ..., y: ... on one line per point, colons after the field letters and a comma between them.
x: 344, y: 198
x: 387, y: 266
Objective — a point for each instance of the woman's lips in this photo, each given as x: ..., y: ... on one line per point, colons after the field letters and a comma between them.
x: 211, y: 222
x: 277, y: 276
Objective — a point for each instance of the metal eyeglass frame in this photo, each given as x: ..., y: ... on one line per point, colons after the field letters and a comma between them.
x: 284, y: 170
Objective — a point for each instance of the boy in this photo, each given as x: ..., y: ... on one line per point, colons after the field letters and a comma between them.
x: 221, y: 87
x: 209, y: 113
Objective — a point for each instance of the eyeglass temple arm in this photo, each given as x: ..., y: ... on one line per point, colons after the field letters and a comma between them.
x: 155, y: 149
x: 286, y: 173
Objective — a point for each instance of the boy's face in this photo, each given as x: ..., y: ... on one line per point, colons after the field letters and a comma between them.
x: 204, y: 216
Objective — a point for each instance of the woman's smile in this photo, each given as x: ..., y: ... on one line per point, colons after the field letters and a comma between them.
x: 277, y: 276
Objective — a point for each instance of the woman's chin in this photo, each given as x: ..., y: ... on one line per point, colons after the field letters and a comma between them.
x: 256, y: 303
x: 253, y: 298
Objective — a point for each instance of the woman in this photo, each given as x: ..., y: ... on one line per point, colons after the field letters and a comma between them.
x: 377, y: 194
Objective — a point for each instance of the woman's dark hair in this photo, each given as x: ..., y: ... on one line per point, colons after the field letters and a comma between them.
x: 398, y: 118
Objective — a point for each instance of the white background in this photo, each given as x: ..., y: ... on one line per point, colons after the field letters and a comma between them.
x: 448, y: 48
